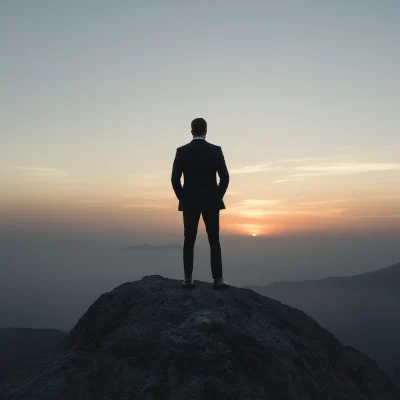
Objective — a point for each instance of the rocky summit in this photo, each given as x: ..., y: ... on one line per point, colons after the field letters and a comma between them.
x: 151, y: 339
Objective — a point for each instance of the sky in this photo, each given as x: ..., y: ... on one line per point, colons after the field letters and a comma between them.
x: 302, y: 96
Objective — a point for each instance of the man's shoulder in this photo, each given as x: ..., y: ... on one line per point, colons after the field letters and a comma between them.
x: 214, y: 146
x: 209, y: 145
x: 185, y: 146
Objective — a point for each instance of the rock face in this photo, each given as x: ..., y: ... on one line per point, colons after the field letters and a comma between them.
x: 151, y: 339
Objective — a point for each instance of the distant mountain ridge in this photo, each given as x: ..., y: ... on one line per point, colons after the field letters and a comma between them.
x: 361, y: 310
x: 388, y: 277
x: 19, y: 346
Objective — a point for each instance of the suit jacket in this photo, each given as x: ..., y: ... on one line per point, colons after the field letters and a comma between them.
x: 199, y: 161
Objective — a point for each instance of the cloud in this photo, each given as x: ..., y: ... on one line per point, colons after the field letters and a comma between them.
x: 307, y: 167
x: 151, y: 195
x: 288, y: 180
x: 147, y: 207
x: 348, y: 168
x: 251, y: 169
x: 257, y: 208
x: 252, y: 228
x: 259, y: 203
x: 386, y: 197
x: 288, y: 211
x: 91, y: 202
x: 376, y: 216
x: 318, y: 203
x: 294, y: 160
x: 253, y: 208
x: 40, y: 171
x: 337, y: 169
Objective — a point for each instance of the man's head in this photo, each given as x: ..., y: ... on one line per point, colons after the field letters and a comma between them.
x: 199, y: 127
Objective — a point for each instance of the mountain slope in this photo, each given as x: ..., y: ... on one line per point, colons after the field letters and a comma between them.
x: 151, y: 339
x: 361, y: 310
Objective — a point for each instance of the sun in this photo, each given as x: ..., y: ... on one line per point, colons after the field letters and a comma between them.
x: 253, y: 230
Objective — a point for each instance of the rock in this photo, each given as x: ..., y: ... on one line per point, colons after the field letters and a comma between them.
x: 151, y: 339
x: 221, y: 347
x: 149, y: 396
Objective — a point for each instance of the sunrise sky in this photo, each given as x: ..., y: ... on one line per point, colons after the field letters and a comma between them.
x: 303, y: 97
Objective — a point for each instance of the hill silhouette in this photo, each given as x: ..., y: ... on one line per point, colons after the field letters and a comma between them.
x: 19, y: 346
x: 361, y: 310
x: 151, y: 339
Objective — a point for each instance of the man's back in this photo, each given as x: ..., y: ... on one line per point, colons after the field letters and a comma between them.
x: 199, y: 162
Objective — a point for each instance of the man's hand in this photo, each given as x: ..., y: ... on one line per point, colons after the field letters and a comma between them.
x: 176, y: 175
x: 223, y: 175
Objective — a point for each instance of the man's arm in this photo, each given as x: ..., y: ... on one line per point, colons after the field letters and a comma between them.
x: 223, y: 174
x: 177, y: 171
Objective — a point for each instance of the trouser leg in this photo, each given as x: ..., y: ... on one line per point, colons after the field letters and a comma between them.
x: 211, y: 220
x: 190, y: 223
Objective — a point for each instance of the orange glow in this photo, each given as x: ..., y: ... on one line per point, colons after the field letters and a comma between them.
x: 119, y: 208
x: 251, y: 229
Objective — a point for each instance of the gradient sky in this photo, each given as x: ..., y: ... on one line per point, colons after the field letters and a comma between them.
x: 303, y: 97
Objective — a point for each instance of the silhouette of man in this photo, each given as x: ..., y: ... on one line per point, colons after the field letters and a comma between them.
x: 199, y: 161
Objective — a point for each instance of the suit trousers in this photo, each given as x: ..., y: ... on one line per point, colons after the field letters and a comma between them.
x: 191, y: 223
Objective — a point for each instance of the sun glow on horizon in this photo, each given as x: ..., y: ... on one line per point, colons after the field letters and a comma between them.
x: 252, y: 230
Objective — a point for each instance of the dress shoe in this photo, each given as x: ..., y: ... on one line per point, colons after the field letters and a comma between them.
x: 220, y: 284
x: 188, y: 283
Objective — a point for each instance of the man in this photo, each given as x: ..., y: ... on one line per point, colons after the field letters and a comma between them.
x: 199, y: 161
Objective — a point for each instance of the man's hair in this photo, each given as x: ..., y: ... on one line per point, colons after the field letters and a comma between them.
x: 199, y: 127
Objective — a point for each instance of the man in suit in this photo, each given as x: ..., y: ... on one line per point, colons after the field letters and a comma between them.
x: 199, y: 161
